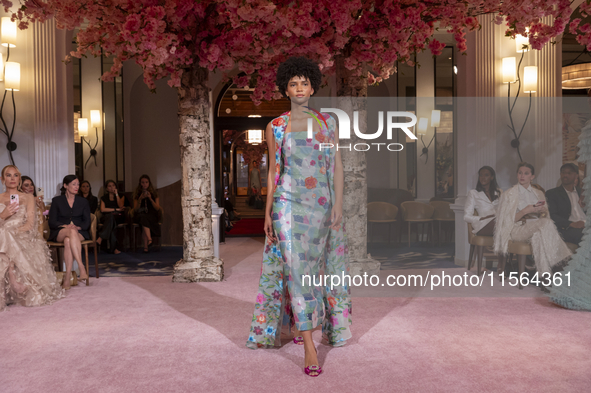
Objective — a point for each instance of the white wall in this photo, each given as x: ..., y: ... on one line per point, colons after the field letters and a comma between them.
x: 154, y: 132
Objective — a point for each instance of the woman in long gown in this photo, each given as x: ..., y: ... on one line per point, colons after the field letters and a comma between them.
x: 304, y: 233
x: 577, y: 295
x: 26, y: 274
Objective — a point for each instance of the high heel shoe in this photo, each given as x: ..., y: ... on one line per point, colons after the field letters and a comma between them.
x: 299, y: 340
x: 313, y: 368
x: 85, y: 279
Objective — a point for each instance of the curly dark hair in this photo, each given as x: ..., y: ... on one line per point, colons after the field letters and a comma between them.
x: 298, y: 66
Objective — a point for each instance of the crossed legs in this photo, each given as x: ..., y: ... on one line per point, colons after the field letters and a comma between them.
x: 72, y: 250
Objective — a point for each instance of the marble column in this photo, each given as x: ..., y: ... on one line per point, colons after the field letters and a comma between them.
x: 53, y: 98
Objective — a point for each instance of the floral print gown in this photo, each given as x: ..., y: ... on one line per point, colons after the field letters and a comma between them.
x: 302, y: 203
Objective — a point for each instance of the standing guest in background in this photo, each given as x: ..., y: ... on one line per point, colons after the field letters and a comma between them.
x: 86, y: 192
x: 69, y: 221
x: 26, y: 274
x: 112, y: 215
x: 565, y: 205
x: 146, y: 205
x: 255, y: 178
x: 484, y: 199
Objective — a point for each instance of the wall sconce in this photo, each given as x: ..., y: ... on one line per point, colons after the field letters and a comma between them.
x: 422, y: 130
x: 95, y: 120
x: 530, y: 82
x: 11, y: 74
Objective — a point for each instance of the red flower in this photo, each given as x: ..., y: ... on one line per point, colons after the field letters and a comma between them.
x: 311, y: 182
x: 278, y: 122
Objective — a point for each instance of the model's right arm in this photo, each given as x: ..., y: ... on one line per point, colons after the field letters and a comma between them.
x: 270, y: 169
x: 270, y: 184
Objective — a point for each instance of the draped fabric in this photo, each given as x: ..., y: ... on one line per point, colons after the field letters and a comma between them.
x: 303, y: 197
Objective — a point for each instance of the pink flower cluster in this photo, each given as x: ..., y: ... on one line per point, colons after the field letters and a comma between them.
x: 165, y: 37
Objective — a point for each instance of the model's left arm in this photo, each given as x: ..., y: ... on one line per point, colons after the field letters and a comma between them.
x: 339, y: 184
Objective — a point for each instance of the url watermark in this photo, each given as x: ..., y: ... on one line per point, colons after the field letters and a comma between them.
x: 441, y: 279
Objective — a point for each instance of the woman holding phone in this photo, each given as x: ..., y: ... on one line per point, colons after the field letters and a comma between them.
x: 26, y: 274
x: 523, y: 217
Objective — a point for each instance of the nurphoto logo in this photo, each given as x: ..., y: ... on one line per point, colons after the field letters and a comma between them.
x: 344, y: 126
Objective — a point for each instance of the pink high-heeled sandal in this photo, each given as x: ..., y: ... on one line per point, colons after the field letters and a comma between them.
x: 313, y: 368
x: 299, y: 340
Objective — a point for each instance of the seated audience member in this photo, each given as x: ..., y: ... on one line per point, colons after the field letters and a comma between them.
x: 565, y: 205
x: 86, y: 193
x: 522, y: 217
x: 26, y: 275
x: 112, y: 208
x: 69, y: 221
x: 28, y: 187
x: 485, y: 199
x: 146, y: 205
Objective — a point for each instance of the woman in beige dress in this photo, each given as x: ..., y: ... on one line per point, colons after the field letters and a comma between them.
x: 26, y: 275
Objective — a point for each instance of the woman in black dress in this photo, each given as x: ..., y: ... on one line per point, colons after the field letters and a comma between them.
x: 112, y: 215
x: 69, y: 221
x: 86, y: 192
x: 146, y: 206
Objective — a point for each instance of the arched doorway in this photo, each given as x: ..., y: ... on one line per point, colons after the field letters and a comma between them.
x: 235, y: 114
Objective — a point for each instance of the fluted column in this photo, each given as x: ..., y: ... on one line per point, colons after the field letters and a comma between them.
x: 548, y: 130
x: 476, y: 128
x: 53, y: 124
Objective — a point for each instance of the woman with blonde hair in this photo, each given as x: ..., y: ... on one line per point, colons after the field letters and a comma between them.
x: 26, y: 274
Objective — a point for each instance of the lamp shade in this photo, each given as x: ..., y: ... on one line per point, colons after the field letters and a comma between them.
x: 435, y: 117
x: 509, y: 70
x: 8, y: 32
x: 1, y: 67
x: 255, y: 136
x: 521, y: 43
x: 530, y: 79
x: 95, y: 118
x: 12, y: 76
x: 422, y: 128
x: 83, y: 126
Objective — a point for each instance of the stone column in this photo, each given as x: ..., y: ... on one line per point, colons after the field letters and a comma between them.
x: 350, y: 92
x: 199, y: 262
x: 54, y: 119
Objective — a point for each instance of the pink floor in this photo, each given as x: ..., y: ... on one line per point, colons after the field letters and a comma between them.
x: 147, y: 334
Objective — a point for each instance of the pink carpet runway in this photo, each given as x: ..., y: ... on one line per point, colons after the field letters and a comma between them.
x: 147, y: 334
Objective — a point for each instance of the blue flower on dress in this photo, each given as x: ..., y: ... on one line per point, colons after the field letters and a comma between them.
x: 251, y: 339
x: 270, y: 330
